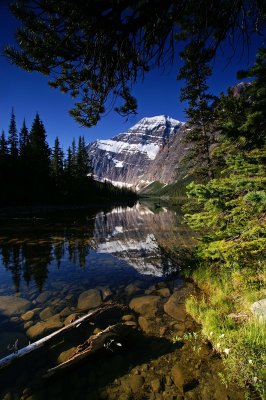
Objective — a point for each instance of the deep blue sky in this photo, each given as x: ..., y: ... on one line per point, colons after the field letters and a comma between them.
x: 28, y: 93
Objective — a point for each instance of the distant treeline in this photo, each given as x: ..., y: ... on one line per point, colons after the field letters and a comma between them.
x: 33, y: 173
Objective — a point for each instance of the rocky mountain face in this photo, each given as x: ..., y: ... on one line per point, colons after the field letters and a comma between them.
x: 149, y: 151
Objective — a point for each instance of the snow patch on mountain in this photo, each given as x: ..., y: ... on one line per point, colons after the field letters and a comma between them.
x: 115, y: 146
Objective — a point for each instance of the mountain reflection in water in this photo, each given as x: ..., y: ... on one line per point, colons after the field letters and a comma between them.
x: 33, y: 252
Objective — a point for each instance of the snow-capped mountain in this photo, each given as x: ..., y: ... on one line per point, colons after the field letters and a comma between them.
x: 125, y: 159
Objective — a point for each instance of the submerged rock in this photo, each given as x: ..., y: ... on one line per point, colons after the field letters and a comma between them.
x: 46, y: 313
x: 129, y: 317
x: 43, y: 297
x: 89, y: 299
x: 13, y: 305
x: 164, y: 292
x: 45, y: 327
x: 27, y: 316
x: 65, y: 355
x: 71, y: 318
x: 145, y: 304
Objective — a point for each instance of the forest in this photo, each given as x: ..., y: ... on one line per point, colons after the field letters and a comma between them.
x: 33, y: 173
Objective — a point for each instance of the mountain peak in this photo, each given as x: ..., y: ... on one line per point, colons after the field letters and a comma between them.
x: 124, y: 158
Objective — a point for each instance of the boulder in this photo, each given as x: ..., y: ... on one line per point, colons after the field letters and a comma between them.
x: 45, y: 327
x: 46, y: 313
x: 129, y: 317
x: 89, y: 299
x: 145, y: 304
x: 175, y: 309
x: 145, y: 324
x: 258, y: 309
x: 43, y: 297
x: 65, y: 355
x: 164, y: 292
x: 65, y: 312
x: 131, y: 289
x: 71, y: 318
x: 13, y: 305
x: 27, y: 316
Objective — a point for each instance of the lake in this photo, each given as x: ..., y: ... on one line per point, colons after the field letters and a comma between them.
x: 57, y: 267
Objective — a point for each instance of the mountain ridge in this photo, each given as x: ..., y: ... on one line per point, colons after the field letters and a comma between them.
x: 135, y: 158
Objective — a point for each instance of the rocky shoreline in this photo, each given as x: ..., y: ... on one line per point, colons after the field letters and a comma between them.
x: 173, y: 362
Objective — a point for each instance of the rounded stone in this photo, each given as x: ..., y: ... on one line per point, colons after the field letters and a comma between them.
x: 145, y: 324
x: 65, y: 355
x: 45, y: 327
x: 27, y: 316
x: 129, y: 317
x: 89, y: 299
x: 175, y: 309
x: 71, y: 318
x: 46, y: 313
x: 13, y: 305
x: 145, y: 304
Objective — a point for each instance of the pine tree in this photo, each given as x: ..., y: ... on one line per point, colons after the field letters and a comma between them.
x: 4, y: 168
x: 82, y: 159
x: 200, y: 111
x: 23, y: 139
x: 39, y: 157
x: 73, y: 164
x: 68, y: 162
x: 254, y: 127
x: 57, y: 162
x: 13, y: 137
x: 243, y: 117
x: 3, y: 146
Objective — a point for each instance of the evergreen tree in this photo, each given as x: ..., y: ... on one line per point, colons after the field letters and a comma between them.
x: 23, y: 139
x: 82, y: 159
x: 254, y: 127
x: 39, y: 157
x: 200, y: 112
x: 4, y: 168
x: 3, y: 146
x: 68, y: 162
x: 73, y: 164
x: 13, y: 138
x: 57, y: 162
x: 243, y: 117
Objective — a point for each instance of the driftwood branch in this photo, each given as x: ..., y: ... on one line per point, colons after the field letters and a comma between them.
x: 4, y: 362
x: 96, y: 342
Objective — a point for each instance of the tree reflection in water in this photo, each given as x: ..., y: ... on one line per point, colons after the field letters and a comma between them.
x: 27, y: 251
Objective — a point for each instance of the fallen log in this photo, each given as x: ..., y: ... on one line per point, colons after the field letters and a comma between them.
x: 4, y: 362
x: 104, y: 339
